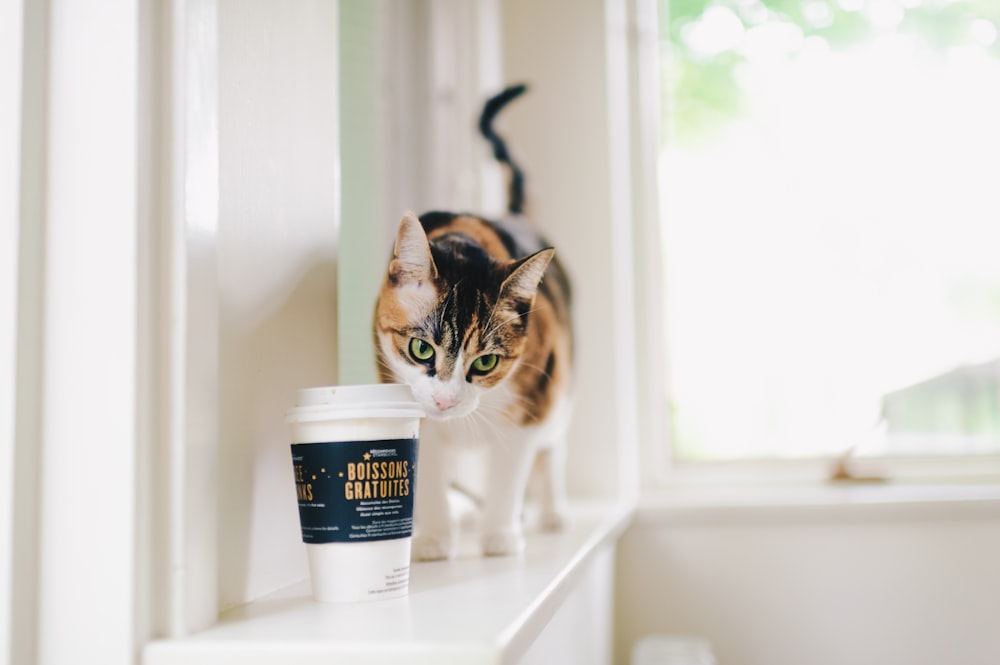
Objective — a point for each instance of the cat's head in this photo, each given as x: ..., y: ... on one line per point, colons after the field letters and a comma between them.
x: 451, y: 319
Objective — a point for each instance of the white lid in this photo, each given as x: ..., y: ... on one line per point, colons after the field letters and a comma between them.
x: 382, y: 400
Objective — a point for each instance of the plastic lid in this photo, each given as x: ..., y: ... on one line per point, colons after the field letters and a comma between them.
x: 382, y: 400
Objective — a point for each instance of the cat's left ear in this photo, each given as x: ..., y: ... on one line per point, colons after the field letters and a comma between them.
x: 522, y: 283
x: 411, y: 258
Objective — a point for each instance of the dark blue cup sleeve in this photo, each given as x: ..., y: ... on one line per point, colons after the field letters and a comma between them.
x: 355, y: 491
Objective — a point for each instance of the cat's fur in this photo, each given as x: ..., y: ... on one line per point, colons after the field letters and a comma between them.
x: 474, y: 316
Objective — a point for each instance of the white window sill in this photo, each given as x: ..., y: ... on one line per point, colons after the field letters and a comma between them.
x: 470, y: 610
x: 687, y: 504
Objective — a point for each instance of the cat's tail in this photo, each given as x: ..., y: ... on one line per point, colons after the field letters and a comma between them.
x: 515, y: 200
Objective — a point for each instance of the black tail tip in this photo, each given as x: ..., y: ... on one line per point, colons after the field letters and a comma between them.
x: 513, y: 91
x: 497, y: 102
x: 509, y: 93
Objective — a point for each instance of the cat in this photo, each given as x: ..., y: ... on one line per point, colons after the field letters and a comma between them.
x: 475, y: 316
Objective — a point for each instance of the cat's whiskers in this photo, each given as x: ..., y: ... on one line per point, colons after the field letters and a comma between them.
x: 481, y: 428
x: 382, y: 363
x: 513, y: 397
x: 507, y: 322
x: 492, y: 313
x: 499, y: 413
x: 488, y: 420
x: 538, y: 369
x: 444, y: 306
x: 483, y: 425
x: 470, y: 426
x: 496, y: 433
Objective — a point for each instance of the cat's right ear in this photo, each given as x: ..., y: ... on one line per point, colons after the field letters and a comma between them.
x: 411, y: 258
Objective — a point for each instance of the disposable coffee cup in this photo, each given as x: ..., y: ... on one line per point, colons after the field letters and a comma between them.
x: 354, y: 455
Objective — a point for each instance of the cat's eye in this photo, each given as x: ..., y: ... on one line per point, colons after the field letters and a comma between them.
x: 421, y: 350
x: 484, y: 364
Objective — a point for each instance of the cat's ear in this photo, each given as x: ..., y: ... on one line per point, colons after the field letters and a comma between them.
x: 522, y: 283
x: 411, y: 258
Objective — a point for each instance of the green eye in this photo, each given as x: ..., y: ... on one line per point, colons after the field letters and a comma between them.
x: 484, y: 364
x: 421, y: 350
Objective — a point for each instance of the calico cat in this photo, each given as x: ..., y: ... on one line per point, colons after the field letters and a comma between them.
x: 474, y: 316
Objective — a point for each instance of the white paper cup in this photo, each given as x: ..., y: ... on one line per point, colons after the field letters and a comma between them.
x: 354, y: 453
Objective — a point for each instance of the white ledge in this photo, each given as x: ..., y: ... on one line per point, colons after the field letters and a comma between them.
x: 818, y: 502
x: 466, y: 611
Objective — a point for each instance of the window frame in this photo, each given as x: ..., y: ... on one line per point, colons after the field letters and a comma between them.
x: 660, y: 466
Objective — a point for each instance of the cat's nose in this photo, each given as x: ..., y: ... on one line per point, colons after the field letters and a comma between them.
x: 445, y: 402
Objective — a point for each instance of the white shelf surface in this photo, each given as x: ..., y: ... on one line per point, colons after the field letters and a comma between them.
x: 816, y: 502
x: 466, y: 611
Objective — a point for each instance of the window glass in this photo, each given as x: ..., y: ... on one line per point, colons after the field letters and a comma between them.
x: 831, y: 206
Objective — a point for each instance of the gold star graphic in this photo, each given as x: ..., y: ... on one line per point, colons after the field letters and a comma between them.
x: 367, y: 456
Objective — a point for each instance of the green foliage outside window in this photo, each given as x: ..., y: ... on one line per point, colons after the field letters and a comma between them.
x: 703, y: 91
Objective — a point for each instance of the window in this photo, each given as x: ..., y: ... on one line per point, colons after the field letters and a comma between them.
x: 831, y: 221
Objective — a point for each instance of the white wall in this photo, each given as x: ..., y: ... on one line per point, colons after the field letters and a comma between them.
x: 920, y: 586
x: 69, y: 193
x: 11, y: 21
x: 277, y: 242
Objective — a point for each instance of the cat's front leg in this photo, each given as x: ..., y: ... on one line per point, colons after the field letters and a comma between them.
x: 550, y: 487
x: 434, y: 536
x: 510, y: 465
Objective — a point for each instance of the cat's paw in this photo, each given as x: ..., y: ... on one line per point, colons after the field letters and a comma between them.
x: 432, y: 547
x: 503, y: 542
x: 554, y: 520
